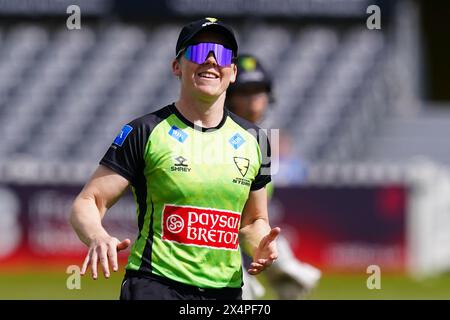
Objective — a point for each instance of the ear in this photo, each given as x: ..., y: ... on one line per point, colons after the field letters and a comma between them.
x: 233, y: 73
x: 176, y: 68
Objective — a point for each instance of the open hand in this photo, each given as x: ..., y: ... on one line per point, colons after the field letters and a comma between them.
x: 266, y: 253
x: 105, y: 249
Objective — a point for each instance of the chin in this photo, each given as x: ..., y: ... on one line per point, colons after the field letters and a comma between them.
x: 208, y: 91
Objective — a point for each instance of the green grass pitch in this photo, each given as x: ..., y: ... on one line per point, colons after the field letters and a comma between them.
x: 51, y: 284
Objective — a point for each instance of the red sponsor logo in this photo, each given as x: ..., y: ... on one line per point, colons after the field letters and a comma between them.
x: 202, y: 227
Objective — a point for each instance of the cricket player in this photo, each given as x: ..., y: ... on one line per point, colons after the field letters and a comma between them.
x: 198, y: 175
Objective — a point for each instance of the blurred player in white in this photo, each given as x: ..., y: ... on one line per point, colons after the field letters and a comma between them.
x: 249, y: 97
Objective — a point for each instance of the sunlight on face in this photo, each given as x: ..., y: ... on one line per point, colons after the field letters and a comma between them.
x: 207, y: 80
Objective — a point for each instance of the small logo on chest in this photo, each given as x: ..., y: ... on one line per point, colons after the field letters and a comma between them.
x: 242, y: 164
x: 180, y: 165
x: 178, y: 134
x: 236, y: 141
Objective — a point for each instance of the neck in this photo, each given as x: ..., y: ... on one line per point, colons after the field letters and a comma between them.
x: 204, y: 113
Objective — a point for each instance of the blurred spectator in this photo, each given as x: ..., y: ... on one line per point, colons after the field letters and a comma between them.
x: 292, y: 169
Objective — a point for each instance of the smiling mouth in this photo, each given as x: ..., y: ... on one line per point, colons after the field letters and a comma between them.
x: 208, y: 75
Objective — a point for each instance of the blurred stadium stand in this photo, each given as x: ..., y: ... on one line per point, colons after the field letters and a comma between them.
x: 403, y: 138
x: 73, y: 87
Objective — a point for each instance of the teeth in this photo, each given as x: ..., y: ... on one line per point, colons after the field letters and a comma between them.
x: 208, y: 75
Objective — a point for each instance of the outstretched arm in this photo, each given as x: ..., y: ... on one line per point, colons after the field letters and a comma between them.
x: 257, y: 238
x: 101, y: 192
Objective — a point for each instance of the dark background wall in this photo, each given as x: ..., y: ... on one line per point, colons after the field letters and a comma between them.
x: 435, y: 17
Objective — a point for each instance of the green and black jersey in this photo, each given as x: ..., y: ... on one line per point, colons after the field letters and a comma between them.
x: 190, y: 185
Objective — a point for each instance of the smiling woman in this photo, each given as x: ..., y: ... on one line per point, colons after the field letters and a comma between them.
x: 205, y: 68
x: 193, y: 213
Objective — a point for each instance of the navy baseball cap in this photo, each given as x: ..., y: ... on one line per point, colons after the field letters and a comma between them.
x: 190, y: 30
x: 250, y: 74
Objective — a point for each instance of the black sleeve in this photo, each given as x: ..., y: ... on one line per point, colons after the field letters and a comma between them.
x: 126, y: 154
x: 263, y: 177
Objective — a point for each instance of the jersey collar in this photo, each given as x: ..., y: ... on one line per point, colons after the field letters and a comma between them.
x: 174, y: 110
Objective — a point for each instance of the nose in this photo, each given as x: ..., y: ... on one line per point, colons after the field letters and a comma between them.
x: 210, y: 59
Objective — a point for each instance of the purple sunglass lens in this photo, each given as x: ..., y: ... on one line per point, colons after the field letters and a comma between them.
x: 199, y: 52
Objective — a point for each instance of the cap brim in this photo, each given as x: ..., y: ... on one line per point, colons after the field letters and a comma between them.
x: 221, y: 29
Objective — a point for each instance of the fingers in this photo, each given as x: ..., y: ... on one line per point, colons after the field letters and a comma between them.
x: 255, y: 268
x: 103, y: 256
x: 112, y: 254
x: 94, y: 260
x: 259, y: 266
x: 262, y: 261
x: 86, y: 263
x: 273, y: 234
x: 106, y: 252
x: 253, y: 272
x: 256, y: 265
x: 123, y: 245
